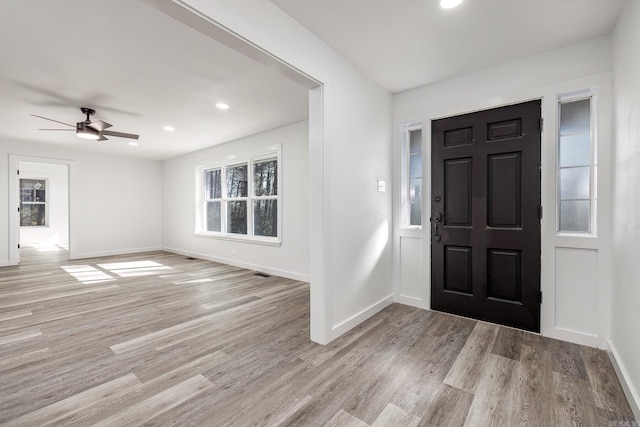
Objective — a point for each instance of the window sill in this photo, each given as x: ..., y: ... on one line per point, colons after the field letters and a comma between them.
x: 239, y: 238
x: 414, y: 232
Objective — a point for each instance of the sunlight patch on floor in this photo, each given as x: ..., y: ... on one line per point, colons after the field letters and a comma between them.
x: 184, y: 282
x: 136, y: 268
x: 87, y: 274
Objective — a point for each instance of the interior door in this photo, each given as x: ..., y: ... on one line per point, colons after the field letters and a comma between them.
x: 485, y: 215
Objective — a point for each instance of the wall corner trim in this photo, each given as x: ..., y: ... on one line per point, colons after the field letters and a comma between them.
x: 630, y: 390
x: 360, y: 317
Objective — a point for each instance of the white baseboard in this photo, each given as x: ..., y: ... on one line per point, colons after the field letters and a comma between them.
x: 5, y: 263
x: 411, y: 301
x: 249, y: 266
x: 355, y: 320
x: 575, y: 337
x: 630, y: 390
x: 84, y: 255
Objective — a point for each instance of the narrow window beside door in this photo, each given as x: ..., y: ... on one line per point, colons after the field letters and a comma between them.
x: 411, y: 166
x: 577, y: 167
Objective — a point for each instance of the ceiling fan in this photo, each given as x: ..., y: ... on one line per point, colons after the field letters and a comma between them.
x: 91, y: 130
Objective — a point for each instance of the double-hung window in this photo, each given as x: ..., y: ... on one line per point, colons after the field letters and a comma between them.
x: 240, y: 199
x: 33, y: 203
x: 237, y: 195
x: 265, y: 198
x: 212, y: 201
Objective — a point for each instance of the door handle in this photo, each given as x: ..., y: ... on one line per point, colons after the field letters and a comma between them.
x: 436, y: 225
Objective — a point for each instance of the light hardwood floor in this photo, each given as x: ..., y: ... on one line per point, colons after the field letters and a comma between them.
x: 160, y: 339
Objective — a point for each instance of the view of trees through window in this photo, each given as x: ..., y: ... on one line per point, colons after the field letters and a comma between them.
x: 213, y: 197
x: 265, y: 204
x: 33, y: 203
x: 235, y: 204
x: 237, y: 192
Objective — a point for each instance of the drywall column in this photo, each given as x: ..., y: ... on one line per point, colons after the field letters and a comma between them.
x: 625, y: 339
x: 351, y: 235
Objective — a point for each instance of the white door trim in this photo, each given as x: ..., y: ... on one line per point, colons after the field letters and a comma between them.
x: 14, y: 201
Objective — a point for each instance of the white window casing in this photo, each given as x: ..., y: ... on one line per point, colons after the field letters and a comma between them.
x: 240, y: 198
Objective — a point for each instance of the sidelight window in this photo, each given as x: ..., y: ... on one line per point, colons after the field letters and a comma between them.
x: 240, y: 199
x: 411, y: 169
x: 577, y: 166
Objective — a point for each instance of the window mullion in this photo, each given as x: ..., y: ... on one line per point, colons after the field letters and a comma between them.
x: 223, y: 204
x: 250, y: 194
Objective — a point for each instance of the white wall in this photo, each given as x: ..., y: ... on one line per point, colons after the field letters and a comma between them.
x: 625, y: 338
x: 291, y: 258
x: 56, y: 231
x: 568, y: 311
x: 350, y: 121
x: 115, y: 201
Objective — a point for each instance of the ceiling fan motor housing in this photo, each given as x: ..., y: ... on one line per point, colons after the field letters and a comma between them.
x: 83, y: 130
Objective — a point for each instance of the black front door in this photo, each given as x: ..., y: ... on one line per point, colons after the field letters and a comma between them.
x: 485, y: 215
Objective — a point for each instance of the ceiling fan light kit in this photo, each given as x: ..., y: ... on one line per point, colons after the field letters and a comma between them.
x: 86, y: 132
x: 91, y: 130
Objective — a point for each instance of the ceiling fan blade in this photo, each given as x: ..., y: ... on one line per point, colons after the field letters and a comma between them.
x: 66, y: 130
x: 62, y: 123
x: 119, y: 134
x: 100, y: 125
x: 102, y: 138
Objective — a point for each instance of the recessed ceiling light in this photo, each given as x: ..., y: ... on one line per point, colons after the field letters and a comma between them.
x: 168, y: 128
x: 222, y: 106
x: 448, y: 4
x: 133, y: 144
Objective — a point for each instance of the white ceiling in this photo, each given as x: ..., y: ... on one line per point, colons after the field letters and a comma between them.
x: 140, y: 70
x: 402, y: 44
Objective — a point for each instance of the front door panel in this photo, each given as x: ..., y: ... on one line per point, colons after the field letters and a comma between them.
x: 485, y: 215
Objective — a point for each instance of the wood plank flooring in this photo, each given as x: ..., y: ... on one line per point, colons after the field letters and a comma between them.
x: 160, y: 339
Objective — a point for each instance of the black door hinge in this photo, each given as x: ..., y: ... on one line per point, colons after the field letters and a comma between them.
x: 18, y: 171
x: 541, y: 124
x: 18, y: 245
x: 540, y: 297
x: 540, y: 212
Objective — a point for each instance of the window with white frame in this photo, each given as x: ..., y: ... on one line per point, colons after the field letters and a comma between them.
x: 33, y: 203
x: 411, y: 182
x: 577, y: 165
x: 240, y: 199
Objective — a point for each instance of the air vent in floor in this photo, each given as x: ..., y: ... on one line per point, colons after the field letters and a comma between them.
x: 261, y: 275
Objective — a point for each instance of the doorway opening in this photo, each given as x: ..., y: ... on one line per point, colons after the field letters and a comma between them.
x: 40, y: 224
